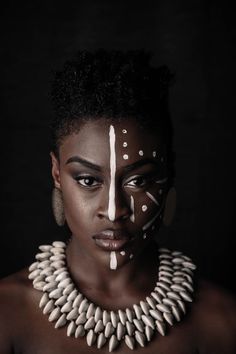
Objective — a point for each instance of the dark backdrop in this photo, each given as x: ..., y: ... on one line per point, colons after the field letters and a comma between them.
x: 197, y: 40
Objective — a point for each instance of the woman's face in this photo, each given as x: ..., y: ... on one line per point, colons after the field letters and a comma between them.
x: 113, y: 180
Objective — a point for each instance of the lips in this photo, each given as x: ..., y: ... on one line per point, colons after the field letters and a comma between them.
x: 112, y: 240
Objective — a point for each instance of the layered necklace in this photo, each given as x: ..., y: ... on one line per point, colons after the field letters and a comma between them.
x: 67, y: 307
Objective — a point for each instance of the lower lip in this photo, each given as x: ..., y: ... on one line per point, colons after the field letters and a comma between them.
x: 111, y: 245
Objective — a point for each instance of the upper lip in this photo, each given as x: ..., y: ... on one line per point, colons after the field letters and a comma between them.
x: 110, y: 234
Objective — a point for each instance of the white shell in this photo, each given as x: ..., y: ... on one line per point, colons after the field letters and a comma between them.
x: 83, y: 306
x: 54, y: 315
x: 101, y: 340
x: 129, y: 341
x: 138, y: 324
x: 151, y: 303
x: 48, y: 307
x: 80, y: 331
x: 129, y: 314
x: 61, y: 301
x: 71, y: 329
x: 186, y: 296
x: 169, y: 302
x: 114, y: 319
x: 72, y: 315
x: 81, y: 319
x: 122, y: 316
x: 113, y: 342
x: 77, y: 301
x: 99, y: 326
x: 59, y: 244
x: 90, y: 323
x: 73, y: 295
x: 138, y: 311
x: 169, y: 318
x: 63, y: 283
x: 68, y: 289
x: 55, y: 294
x: 176, y: 313
x: 182, y: 306
x: 90, y: 311
x: 130, y: 328
x: 149, y: 333
x: 109, y: 330
x: 98, y: 314
x: 189, y: 265
x: 156, y: 297
x: 140, y: 338
x: 177, y: 287
x: 44, y: 264
x: 163, y: 308
x: 61, y: 276
x: 173, y: 295
x: 91, y: 337
x: 160, y: 291
x: 163, y: 285
x: 120, y: 331
x: 177, y: 260
x: 188, y: 286
x: 43, y: 255
x: 34, y: 274
x: 148, y: 321
x: 61, y: 321
x: 50, y: 286
x: 105, y: 317
x: 39, y: 285
x: 33, y: 266
x: 156, y: 314
x: 145, y: 307
x: 44, y: 300
x: 67, y: 307
x: 161, y: 327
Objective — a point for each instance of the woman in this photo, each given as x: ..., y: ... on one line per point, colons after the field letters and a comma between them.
x: 110, y: 287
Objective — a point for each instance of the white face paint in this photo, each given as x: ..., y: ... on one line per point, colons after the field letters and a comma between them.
x: 111, y: 203
x: 132, y: 218
x: 152, y: 198
x: 144, y: 208
x: 140, y: 152
x: 144, y: 236
x: 124, y: 131
x: 113, y: 260
x: 125, y: 144
x: 149, y: 223
x: 131, y: 256
x: 125, y: 157
x: 154, y: 153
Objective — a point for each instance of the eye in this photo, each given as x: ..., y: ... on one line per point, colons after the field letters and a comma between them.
x: 87, y: 181
x: 137, y: 182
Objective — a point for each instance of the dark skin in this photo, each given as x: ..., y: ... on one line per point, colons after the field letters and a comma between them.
x: 210, y: 324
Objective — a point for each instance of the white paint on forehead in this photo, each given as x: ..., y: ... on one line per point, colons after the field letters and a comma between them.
x: 144, y: 207
x: 124, y: 131
x: 125, y: 144
x: 113, y: 260
x: 140, y: 152
x: 149, y: 223
x: 125, y: 157
x: 132, y: 218
x: 152, y: 198
x: 162, y: 180
x: 111, y: 202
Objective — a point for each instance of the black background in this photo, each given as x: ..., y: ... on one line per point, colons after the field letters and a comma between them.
x: 196, y: 39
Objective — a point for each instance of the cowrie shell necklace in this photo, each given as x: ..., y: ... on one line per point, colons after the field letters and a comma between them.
x: 67, y: 307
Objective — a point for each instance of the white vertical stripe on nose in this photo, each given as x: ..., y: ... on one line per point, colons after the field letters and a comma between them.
x: 111, y: 202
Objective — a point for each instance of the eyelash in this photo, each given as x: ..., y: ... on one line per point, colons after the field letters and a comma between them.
x: 80, y: 178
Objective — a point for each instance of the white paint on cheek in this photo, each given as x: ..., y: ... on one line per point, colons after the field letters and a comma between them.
x: 132, y: 218
x: 140, y: 152
x: 149, y: 223
x: 124, y: 131
x: 160, y: 181
x: 152, y: 198
x: 125, y: 144
x: 113, y: 260
x: 111, y: 202
x: 144, y: 208
x: 125, y: 157
x: 122, y: 253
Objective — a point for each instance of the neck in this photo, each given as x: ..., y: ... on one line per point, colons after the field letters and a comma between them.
x: 133, y: 280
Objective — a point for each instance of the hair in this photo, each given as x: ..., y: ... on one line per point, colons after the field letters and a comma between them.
x: 113, y: 84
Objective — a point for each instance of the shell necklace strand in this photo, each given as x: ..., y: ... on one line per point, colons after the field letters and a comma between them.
x: 66, y: 306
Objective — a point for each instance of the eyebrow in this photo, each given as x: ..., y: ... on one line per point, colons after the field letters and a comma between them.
x: 95, y: 167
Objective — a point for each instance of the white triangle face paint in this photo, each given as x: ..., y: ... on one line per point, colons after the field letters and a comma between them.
x: 113, y: 260
x: 132, y: 218
x: 111, y: 202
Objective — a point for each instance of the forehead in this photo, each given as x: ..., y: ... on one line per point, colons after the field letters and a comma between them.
x: 92, y: 141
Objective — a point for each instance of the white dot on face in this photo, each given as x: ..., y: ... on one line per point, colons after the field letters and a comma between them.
x: 122, y: 253
x: 140, y: 152
x: 144, y: 236
x: 144, y: 207
x: 125, y: 157
x: 124, y: 131
x: 131, y: 256
x: 154, y: 153
x: 125, y: 144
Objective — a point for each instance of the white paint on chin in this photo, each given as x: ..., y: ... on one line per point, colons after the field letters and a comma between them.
x: 132, y: 218
x: 111, y: 202
x: 113, y: 260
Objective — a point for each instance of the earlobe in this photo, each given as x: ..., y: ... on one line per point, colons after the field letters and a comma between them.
x: 55, y: 170
x: 170, y: 207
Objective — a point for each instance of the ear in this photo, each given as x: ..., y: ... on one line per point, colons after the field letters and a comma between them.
x: 55, y: 170
x: 170, y: 207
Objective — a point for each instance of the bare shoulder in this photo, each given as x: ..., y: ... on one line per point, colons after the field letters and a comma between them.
x: 215, y: 315
x: 15, y: 294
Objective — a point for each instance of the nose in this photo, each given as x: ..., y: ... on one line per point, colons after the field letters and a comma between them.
x: 120, y: 207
